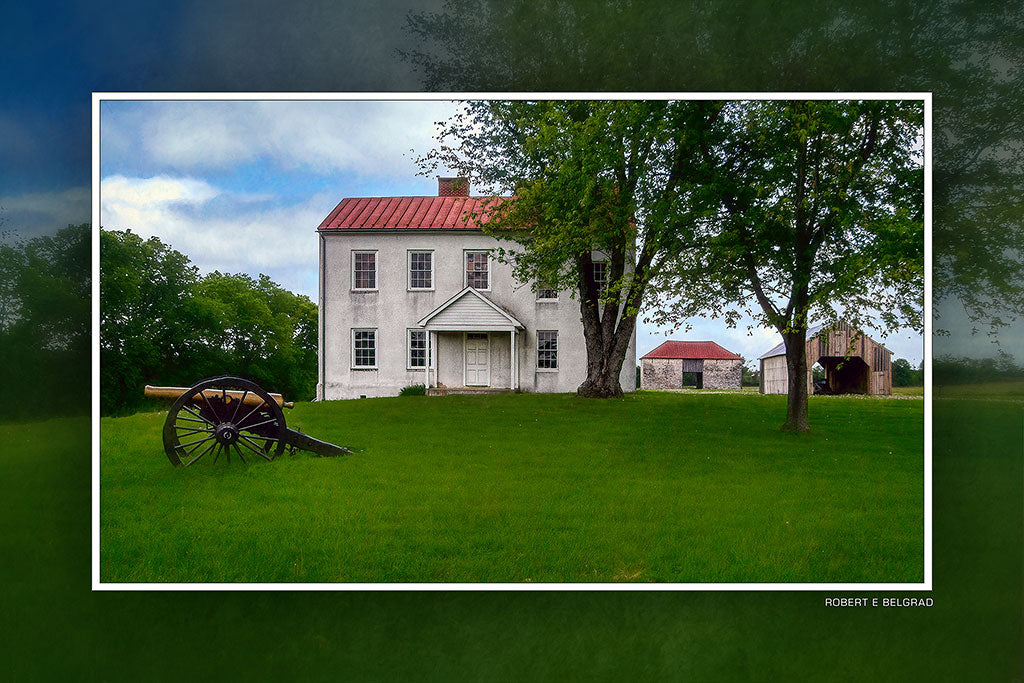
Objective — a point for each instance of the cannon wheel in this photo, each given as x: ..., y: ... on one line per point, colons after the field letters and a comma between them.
x: 207, y: 421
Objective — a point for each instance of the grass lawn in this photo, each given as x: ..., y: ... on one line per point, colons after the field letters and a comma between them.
x: 656, y: 487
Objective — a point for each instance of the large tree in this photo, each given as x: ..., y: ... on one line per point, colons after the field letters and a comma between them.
x: 970, y: 55
x: 161, y: 323
x: 820, y: 215
x: 599, y: 189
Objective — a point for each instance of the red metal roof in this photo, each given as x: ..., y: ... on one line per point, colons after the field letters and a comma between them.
x: 410, y: 212
x: 696, y: 349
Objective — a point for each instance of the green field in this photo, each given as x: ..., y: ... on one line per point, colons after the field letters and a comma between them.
x: 542, y: 488
x: 973, y: 632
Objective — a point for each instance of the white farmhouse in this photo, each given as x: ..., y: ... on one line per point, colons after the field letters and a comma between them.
x: 411, y: 294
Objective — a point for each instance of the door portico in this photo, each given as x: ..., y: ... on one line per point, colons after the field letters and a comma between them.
x: 480, y: 324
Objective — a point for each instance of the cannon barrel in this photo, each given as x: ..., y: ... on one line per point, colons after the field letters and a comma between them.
x: 249, y: 399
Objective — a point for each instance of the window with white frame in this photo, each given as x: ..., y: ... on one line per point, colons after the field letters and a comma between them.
x: 421, y: 269
x: 364, y: 348
x: 364, y: 270
x: 477, y: 276
x: 547, y: 349
x: 546, y: 293
x: 601, y: 276
x: 418, y: 356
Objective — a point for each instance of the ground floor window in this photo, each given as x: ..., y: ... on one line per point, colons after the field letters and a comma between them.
x: 418, y: 349
x: 364, y: 348
x: 547, y: 349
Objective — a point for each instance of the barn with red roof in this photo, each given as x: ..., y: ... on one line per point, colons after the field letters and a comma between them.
x: 705, y: 364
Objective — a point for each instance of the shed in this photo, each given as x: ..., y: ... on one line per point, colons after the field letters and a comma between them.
x: 854, y: 363
x: 714, y: 367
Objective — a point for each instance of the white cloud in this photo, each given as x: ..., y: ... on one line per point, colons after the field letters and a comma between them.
x: 241, y: 234
x: 372, y: 138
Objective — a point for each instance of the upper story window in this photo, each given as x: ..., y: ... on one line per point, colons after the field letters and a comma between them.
x: 364, y: 270
x: 477, y: 275
x: 546, y: 293
x: 421, y: 269
x: 601, y: 276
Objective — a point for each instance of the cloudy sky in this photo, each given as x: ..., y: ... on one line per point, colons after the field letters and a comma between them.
x: 240, y: 186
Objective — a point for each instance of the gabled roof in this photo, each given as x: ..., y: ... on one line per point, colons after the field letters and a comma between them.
x: 484, y: 323
x: 413, y: 213
x: 780, y: 350
x: 705, y: 350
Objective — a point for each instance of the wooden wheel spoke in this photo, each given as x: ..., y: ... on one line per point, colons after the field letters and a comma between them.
x: 207, y: 401
x: 196, y: 459
x: 256, y: 444
x: 258, y: 424
x: 262, y: 403
x: 191, y: 430
x: 245, y: 442
x: 185, y: 444
x: 185, y: 407
x: 190, y: 419
x: 240, y: 404
x: 239, y: 451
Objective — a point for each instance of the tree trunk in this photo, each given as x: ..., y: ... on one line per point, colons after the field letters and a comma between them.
x: 604, y: 383
x: 605, y: 355
x: 796, y: 371
x: 606, y: 335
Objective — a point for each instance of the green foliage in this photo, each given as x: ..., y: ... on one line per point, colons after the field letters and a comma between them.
x: 948, y: 369
x: 818, y: 214
x: 145, y: 317
x: 906, y: 375
x: 592, y: 180
x: 44, y: 324
x: 163, y: 324
x: 748, y: 377
x: 413, y: 390
x: 959, y: 51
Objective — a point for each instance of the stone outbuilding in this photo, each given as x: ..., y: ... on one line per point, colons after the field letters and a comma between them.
x: 853, y: 362
x: 713, y: 366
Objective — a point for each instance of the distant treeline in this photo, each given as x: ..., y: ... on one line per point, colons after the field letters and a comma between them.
x: 906, y: 375
x: 949, y: 369
x: 163, y: 324
x: 45, y: 324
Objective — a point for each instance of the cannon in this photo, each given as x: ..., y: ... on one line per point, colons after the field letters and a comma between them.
x: 221, y: 414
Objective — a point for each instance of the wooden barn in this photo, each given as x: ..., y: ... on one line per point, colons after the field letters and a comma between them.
x: 854, y: 363
x: 710, y: 366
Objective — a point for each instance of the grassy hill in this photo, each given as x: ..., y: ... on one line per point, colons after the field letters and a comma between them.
x: 656, y: 487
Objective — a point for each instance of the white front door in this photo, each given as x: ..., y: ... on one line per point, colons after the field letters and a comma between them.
x: 478, y: 359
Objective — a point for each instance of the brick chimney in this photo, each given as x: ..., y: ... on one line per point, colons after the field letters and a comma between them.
x: 452, y: 187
